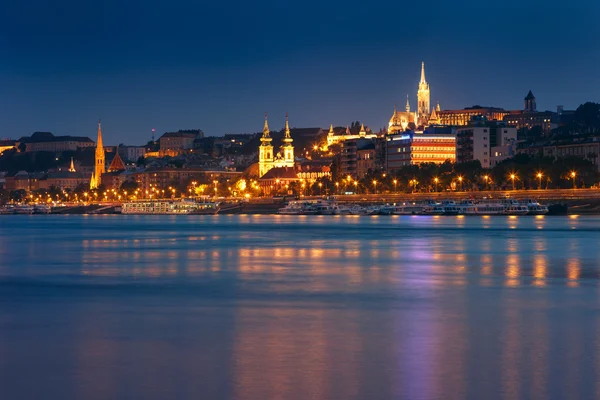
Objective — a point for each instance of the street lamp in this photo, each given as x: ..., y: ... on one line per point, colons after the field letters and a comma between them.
x: 337, y: 188
x: 486, y: 178
x: 375, y: 186
x: 512, y: 178
x: 573, y: 174
x: 320, y: 186
x: 436, y: 181
x: 539, y: 176
x: 395, y: 184
x: 355, y: 187
x: 413, y: 182
x: 460, y: 179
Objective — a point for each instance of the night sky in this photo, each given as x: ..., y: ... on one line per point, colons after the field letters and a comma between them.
x: 219, y: 66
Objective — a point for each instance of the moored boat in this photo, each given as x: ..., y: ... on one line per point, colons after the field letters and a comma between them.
x: 168, y: 207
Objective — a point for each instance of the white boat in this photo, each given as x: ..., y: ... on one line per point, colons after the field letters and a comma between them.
x: 409, y: 209
x: 23, y: 209
x: 516, y: 209
x: 41, y: 209
x: 293, y: 208
x: 535, y: 208
x: 168, y: 207
x: 513, y: 207
x: 489, y: 209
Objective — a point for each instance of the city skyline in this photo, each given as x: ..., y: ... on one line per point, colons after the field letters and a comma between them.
x: 224, y: 71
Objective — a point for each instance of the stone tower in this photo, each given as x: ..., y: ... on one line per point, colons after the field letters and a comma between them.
x: 287, y: 147
x: 99, y: 166
x: 265, y: 151
x: 423, y: 97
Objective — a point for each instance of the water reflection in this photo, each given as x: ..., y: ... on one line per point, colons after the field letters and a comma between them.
x: 254, y: 307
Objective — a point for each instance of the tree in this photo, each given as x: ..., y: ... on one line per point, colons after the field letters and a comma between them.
x: 130, y: 186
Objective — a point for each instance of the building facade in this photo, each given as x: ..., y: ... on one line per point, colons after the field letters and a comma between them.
x: 463, y: 117
x: 478, y: 140
x: 46, y: 141
x: 99, y: 162
x: 333, y: 138
x: 266, y: 154
x: 410, y: 148
x: 173, y: 144
x: 530, y: 117
x: 423, y: 99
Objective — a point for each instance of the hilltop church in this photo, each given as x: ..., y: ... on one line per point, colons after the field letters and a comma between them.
x: 267, y: 159
x: 424, y: 115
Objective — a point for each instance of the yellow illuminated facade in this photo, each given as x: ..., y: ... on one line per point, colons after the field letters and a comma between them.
x: 99, y: 166
x: 423, y: 116
x: 423, y: 99
x: 332, y: 138
x: 267, y: 160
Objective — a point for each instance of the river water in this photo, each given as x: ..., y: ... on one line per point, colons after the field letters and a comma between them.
x: 299, y: 307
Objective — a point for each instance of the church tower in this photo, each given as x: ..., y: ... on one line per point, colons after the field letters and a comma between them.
x: 265, y: 151
x: 529, y: 103
x: 287, y: 147
x: 99, y: 167
x: 423, y: 97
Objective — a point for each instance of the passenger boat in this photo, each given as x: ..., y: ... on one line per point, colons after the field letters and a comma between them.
x: 513, y: 207
x: 168, y: 207
x: 23, y: 209
x: 535, y: 208
x: 41, y: 209
x: 489, y: 209
x: 409, y: 209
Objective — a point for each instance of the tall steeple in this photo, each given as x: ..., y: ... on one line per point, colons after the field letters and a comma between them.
x: 288, y: 148
x: 287, y: 138
x: 330, y: 133
x: 407, y: 104
x: 72, y: 166
x: 362, y: 132
x: 99, y: 167
x: 423, y: 98
x: 266, y: 131
x: 265, y: 150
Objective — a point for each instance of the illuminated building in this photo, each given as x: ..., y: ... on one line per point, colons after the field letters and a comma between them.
x: 424, y: 115
x: 6, y: 145
x: 481, y: 139
x: 414, y: 148
x: 530, y: 117
x: 356, y: 158
x: 423, y: 99
x: 333, y: 138
x: 266, y: 156
x: 463, y: 117
x: 175, y: 143
x: 401, y: 121
x: 99, y: 166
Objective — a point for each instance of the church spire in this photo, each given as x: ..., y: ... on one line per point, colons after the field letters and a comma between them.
x: 287, y: 137
x: 99, y: 167
x: 99, y: 142
x: 266, y: 130
x: 407, y: 104
x: 287, y: 126
x: 330, y: 133
x: 423, y: 73
x: 362, y: 132
x: 72, y: 166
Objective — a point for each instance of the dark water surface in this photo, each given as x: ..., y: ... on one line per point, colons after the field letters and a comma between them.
x: 299, y: 307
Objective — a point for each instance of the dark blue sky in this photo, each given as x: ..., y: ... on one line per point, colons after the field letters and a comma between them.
x: 219, y: 66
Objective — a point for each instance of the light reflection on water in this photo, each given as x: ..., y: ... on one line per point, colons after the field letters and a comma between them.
x: 256, y: 307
